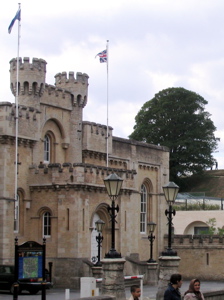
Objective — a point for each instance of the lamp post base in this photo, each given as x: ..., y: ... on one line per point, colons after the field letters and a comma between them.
x: 169, y: 252
x: 113, y: 254
x: 151, y: 260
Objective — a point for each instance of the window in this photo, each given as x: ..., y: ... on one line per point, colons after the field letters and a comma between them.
x: 201, y: 230
x: 47, y: 224
x: 47, y: 146
x: 143, y: 210
x: 16, y: 214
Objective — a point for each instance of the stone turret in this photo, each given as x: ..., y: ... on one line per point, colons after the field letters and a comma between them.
x: 31, y: 80
x: 77, y: 86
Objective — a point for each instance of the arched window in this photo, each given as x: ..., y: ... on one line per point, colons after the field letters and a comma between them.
x: 143, y: 209
x: 16, y: 214
x: 47, y: 148
x: 46, y: 224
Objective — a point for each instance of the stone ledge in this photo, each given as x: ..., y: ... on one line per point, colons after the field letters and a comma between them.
x: 216, y: 295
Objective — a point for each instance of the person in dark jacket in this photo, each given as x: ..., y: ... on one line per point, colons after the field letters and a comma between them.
x: 172, y: 292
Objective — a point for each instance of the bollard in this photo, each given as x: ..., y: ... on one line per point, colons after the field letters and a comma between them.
x: 67, y: 294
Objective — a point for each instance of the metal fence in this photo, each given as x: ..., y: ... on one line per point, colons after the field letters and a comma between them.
x: 197, y: 201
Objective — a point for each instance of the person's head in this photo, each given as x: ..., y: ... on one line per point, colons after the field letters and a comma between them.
x: 195, y: 285
x: 176, y: 280
x: 135, y: 291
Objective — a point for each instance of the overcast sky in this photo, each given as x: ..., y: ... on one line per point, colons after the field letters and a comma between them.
x: 153, y: 45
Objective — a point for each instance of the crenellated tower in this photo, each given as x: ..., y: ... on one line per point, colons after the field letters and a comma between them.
x: 78, y: 87
x: 31, y: 80
x: 69, y: 94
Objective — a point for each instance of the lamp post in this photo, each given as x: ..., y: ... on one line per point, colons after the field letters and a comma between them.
x: 99, y: 238
x: 113, y: 185
x: 170, y: 191
x: 151, y: 237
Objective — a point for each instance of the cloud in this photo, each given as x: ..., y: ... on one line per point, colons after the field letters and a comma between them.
x: 153, y: 45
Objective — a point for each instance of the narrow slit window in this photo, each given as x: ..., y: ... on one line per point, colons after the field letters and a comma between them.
x: 47, y: 224
x: 47, y: 146
x: 143, y: 209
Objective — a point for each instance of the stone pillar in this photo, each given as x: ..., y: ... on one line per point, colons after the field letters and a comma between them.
x: 113, y: 277
x: 97, y: 272
x: 168, y: 265
x: 152, y: 274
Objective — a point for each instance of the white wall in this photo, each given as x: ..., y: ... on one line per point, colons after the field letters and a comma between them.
x: 185, y: 221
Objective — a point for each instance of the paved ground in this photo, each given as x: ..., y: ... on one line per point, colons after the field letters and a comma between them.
x: 149, y: 292
x: 206, y: 286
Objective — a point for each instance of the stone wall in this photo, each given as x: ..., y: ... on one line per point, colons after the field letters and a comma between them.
x: 201, y: 256
x: 66, y: 180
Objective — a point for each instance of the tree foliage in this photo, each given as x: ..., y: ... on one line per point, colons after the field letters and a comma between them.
x: 213, y: 229
x: 176, y: 118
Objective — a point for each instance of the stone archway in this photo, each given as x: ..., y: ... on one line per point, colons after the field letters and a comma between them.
x: 100, y: 213
x: 94, y: 249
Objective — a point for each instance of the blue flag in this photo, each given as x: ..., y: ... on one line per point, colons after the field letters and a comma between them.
x: 17, y: 17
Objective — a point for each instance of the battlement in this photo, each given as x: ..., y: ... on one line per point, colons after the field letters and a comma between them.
x: 38, y: 64
x: 32, y: 88
x: 63, y: 79
x: 78, y: 86
x: 31, y: 83
x: 73, y: 175
x: 194, y: 241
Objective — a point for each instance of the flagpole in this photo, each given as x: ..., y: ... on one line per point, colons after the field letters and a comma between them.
x: 17, y: 109
x: 107, y: 99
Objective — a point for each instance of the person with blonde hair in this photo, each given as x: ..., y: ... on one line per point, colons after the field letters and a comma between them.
x: 193, y: 293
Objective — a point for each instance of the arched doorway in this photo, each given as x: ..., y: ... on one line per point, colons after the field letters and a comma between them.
x: 100, y: 213
x: 94, y: 249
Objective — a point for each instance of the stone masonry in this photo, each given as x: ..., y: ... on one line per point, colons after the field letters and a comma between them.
x: 69, y: 187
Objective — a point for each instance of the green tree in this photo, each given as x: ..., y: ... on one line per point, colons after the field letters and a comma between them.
x: 176, y: 118
x: 212, y: 226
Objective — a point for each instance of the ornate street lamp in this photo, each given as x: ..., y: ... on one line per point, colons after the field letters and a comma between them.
x: 170, y: 192
x: 113, y: 185
x: 99, y: 238
x: 151, y: 237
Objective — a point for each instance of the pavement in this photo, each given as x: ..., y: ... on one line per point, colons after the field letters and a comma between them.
x: 149, y: 292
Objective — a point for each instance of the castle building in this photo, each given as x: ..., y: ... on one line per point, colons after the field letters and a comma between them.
x: 61, y: 168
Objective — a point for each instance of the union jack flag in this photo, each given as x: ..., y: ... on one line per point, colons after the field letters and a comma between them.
x: 103, y: 56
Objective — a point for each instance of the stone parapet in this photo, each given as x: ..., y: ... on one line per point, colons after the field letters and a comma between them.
x: 203, y: 252
x: 217, y: 295
x: 75, y: 176
x: 196, y: 241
